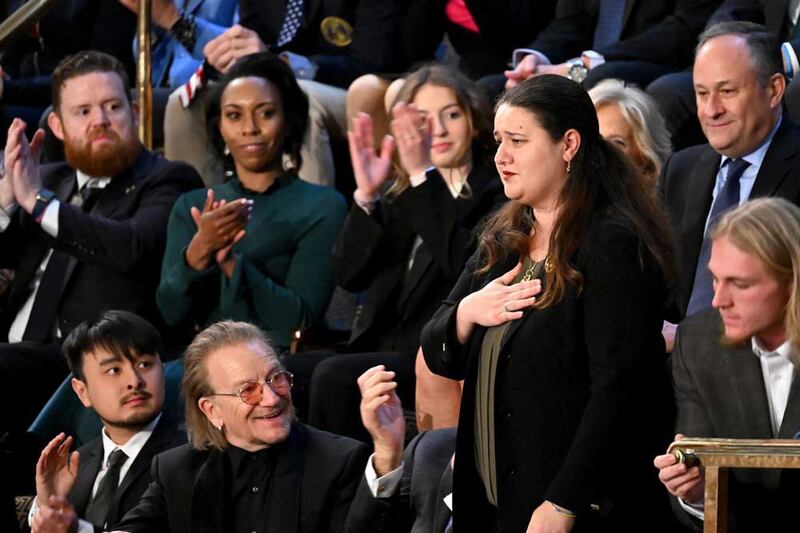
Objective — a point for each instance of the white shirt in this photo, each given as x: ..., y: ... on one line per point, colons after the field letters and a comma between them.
x: 386, y: 485
x: 777, y: 370
x: 50, y: 226
x: 132, y: 448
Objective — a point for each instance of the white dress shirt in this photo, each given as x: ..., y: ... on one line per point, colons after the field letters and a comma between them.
x: 50, y: 226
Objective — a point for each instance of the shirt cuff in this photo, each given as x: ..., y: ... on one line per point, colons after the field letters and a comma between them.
x: 694, y: 509
x: 365, y: 203
x: 519, y: 53
x: 50, y: 218
x: 791, y: 67
x: 5, y: 216
x: 384, y: 486
x: 595, y: 59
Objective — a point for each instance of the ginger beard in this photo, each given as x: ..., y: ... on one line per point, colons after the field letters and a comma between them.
x: 103, y: 159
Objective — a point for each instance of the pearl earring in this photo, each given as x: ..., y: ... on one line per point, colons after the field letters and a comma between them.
x: 226, y: 150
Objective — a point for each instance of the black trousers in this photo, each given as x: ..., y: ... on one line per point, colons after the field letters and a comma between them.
x: 326, y: 392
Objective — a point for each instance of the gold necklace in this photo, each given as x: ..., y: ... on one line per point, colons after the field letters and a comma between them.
x: 530, y: 273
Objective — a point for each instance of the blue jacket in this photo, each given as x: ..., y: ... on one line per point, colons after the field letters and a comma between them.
x: 173, y: 64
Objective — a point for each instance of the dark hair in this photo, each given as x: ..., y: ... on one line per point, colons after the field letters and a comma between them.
x: 601, y: 178
x: 84, y: 63
x: 270, y: 67
x: 122, y: 333
x: 469, y: 98
x: 765, y: 50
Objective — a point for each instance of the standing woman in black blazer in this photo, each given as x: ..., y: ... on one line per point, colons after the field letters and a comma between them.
x: 407, y: 236
x: 556, y: 327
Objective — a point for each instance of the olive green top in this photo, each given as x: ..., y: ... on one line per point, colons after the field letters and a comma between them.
x: 484, y: 393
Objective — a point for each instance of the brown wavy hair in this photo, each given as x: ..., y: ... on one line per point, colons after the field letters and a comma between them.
x: 468, y: 97
x: 601, y: 179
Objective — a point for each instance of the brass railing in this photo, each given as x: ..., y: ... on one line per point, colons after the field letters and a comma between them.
x: 144, y: 87
x: 717, y: 456
x: 22, y: 19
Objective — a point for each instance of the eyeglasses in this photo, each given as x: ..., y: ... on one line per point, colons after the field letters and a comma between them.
x: 251, y: 392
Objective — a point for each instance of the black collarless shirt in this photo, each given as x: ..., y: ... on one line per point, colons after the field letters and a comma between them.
x: 247, y: 498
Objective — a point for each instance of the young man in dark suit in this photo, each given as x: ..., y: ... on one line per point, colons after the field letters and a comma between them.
x: 753, y: 149
x: 82, y: 236
x: 734, y: 366
x: 117, y: 372
x: 250, y: 466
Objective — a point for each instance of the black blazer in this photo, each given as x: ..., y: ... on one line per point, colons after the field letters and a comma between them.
x: 573, y: 381
x: 656, y: 31
x: 720, y: 393
x: 116, y: 249
x: 368, y: 40
x: 417, y: 506
x: 311, y: 489
x: 166, y: 435
x: 504, y: 25
x: 372, y: 254
x: 687, y: 184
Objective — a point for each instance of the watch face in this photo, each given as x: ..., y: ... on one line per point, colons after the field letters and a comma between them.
x: 577, y: 72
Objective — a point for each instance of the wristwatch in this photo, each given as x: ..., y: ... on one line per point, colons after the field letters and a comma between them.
x: 577, y: 70
x: 43, y: 199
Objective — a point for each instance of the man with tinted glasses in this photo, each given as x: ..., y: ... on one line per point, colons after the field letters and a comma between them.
x: 250, y: 466
x: 117, y: 372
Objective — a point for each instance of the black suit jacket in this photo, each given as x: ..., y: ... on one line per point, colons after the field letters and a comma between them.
x: 774, y: 14
x: 571, y: 380
x: 417, y: 506
x: 687, y: 184
x: 312, y: 486
x: 720, y: 393
x: 504, y: 25
x: 166, y: 435
x: 372, y: 254
x: 656, y: 31
x: 369, y: 42
x: 116, y: 249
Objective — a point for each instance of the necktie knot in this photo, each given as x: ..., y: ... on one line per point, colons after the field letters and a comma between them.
x: 736, y: 168
x: 116, y: 457
x: 89, y: 194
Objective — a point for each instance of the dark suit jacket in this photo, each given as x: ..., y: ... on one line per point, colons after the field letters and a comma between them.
x: 720, y: 393
x: 312, y: 486
x: 417, y: 506
x: 166, y: 435
x: 571, y: 380
x: 116, y: 249
x: 687, y: 183
x: 369, y: 42
x: 656, y: 31
x: 372, y: 254
x: 504, y: 25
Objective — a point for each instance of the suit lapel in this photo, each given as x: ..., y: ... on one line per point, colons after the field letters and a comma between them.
x: 423, y: 261
x: 747, y: 385
x: 311, y: 13
x: 776, y: 17
x: 209, y: 491
x: 87, y: 472
x: 698, y: 203
x: 775, y: 167
x: 155, y: 444
x: 284, y: 500
x: 790, y: 425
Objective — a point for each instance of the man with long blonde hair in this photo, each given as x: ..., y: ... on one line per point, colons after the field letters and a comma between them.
x: 734, y: 366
